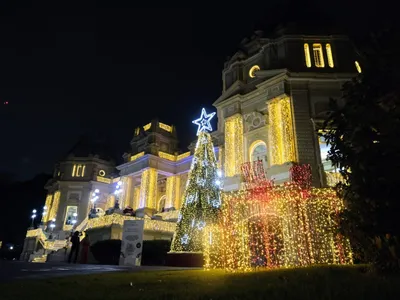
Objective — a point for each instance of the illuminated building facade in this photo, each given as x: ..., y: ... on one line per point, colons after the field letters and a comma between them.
x: 275, y: 96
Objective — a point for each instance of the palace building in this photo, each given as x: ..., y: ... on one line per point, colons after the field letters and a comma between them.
x: 275, y: 97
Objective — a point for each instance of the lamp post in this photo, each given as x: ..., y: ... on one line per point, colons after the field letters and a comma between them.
x: 33, y: 216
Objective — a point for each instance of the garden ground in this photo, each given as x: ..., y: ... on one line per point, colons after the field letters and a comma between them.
x: 322, y: 282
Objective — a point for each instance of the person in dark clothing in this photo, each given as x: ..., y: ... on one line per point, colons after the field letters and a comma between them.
x: 75, y: 247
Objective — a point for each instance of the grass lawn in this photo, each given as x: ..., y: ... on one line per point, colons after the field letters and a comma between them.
x: 327, y: 282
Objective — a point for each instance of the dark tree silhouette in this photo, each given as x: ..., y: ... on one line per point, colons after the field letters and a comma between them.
x: 364, y: 133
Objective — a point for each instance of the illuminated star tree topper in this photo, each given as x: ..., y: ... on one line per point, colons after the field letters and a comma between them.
x: 204, y: 121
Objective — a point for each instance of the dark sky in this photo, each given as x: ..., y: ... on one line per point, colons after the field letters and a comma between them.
x: 91, y: 67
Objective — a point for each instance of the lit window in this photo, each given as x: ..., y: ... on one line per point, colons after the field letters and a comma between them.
x: 258, y: 151
x: 78, y: 170
x: 329, y: 55
x: 252, y: 71
x: 318, y: 56
x: 307, y: 55
x: 71, y: 215
x: 357, y: 66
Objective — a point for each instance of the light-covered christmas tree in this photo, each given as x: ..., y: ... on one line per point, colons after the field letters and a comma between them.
x: 202, y: 197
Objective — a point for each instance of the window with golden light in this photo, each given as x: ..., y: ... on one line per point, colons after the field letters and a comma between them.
x: 357, y: 66
x: 78, y: 170
x: 329, y: 55
x: 307, y: 55
x: 318, y: 56
x: 253, y: 70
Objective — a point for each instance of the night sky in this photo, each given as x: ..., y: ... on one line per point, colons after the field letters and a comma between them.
x: 90, y: 68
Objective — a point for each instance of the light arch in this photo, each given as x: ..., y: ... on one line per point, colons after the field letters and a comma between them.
x: 253, y: 147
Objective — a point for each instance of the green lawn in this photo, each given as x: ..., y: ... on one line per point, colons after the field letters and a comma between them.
x: 306, y: 283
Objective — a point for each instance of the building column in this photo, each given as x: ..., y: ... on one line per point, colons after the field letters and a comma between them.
x: 136, y: 197
x: 281, y: 141
x: 233, y: 145
x: 173, y: 192
x: 148, y: 189
x: 126, y: 198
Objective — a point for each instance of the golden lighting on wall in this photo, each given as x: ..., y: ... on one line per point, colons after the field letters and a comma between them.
x: 358, y: 67
x: 136, y: 156
x: 117, y: 219
x: 49, y: 199
x: 253, y: 70
x: 173, y: 192
x: 329, y: 55
x: 102, y: 173
x: 165, y: 127
x: 147, y: 126
x: 307, y: 55
x: 280, y: 132
x: 291, y: 227
x: 103, y: 179
x: 167, y: 156
x: 54, y: 206
x: 183, y: 155
x: 136, y: 197
x: 233, y: 145
x: 148, y: 188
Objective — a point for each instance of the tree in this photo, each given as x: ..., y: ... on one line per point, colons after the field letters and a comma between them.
x: 202, y: 199
x: 363, y: 132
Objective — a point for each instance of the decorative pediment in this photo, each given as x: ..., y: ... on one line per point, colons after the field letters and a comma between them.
x: 253, y: 121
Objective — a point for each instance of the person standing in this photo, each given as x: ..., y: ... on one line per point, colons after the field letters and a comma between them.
x: 75, y: 247
x: 85, y: 249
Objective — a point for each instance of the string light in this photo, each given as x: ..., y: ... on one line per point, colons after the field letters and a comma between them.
x: 148, y: 188
x: 172, y: 192
x: 291, y: 225
x: 233, y: 145
x: 280, y: 132
x: 198, y: 211
x: 54, y: 206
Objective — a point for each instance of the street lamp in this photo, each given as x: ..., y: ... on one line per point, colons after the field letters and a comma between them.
x: 33, y: 216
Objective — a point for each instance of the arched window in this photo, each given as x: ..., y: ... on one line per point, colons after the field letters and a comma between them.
x: 258, y: 151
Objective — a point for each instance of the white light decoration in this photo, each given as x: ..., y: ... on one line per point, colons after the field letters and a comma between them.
x: 185, y: 239
x: 219, y: 173
x: 218, y: 182
x: 204, y: 121
x: 96, y: 191
x: 34, y: 211
x: 201, y: 225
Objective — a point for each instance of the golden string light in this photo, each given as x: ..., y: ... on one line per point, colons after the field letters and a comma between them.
x: 172, y: 192
x: 233, y: 145
x: 148, y: 189
x: 117, y: 219
x: 54, y: 206
x: 136, y: 156
x: 290, y: 227
x: 280, y: 132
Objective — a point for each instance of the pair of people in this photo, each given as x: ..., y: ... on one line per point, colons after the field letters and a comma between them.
x: 76, y: 242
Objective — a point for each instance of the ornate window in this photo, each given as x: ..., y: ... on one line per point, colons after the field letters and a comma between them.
x: 78, y: 171
x: 318, y: 56
x: 307, y: 55
x: 258, y: 151
x: 329, y: 55
x: 161, y: 204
